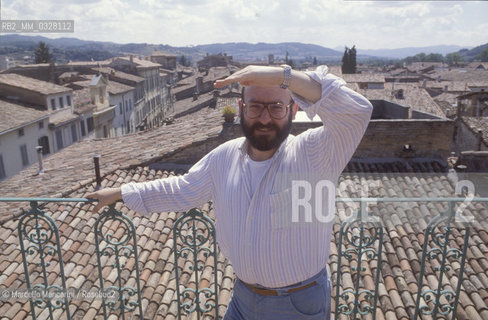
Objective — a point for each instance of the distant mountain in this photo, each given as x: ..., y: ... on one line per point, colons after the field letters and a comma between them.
x: 259, y: 51
x: 470, y: 55
x: 74, y: 49
x: 409, y: 51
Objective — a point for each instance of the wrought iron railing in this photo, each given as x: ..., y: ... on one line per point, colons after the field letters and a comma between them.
x: 196, y: 234
x: 358, y: 235
x: 39, y: 237
x: 360, y: 242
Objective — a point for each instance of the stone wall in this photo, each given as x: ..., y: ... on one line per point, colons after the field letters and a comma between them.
x: 466, y: 139
x: 406, y: 138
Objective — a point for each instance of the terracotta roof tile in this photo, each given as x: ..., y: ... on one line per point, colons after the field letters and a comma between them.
x: 404, y: 227
x: 15, y: 114
x: 31, y: 84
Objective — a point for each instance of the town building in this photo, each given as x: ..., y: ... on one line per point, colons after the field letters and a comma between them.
x: 166, y: 60
x: 156, y: 96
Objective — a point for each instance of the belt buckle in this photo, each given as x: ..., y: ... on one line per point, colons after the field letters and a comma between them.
x: 282, y: 292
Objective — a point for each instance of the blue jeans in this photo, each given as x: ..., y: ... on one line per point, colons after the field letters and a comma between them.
x: 312, y: 303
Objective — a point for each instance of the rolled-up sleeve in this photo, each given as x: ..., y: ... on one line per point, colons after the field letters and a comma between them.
x: 176, y: 193
x: 345, y: 115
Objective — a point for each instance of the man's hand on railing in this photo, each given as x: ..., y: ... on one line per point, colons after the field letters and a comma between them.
x: 105, y: 197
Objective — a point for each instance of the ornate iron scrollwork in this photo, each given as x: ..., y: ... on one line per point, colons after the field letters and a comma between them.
x: 441, y: 301
x: 121, y: 248
x: 358, y: 235
x: 38, y: 230
x: 196, y: 233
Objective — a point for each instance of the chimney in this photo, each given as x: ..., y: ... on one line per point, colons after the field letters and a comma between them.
x: 39, y: 158
x: 480, y: 140
x: 131, y: 59
x: 424, y: 83
x: 96, y: 160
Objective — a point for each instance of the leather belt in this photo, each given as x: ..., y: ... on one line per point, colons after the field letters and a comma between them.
x: 272, y: 292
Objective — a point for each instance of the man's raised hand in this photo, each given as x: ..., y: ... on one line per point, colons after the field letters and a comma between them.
x: 254, y: 76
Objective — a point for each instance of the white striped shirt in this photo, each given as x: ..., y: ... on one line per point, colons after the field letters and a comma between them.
x: 255, y: 232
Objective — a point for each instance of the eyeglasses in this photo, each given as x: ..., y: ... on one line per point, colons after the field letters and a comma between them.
x: 276, y: 110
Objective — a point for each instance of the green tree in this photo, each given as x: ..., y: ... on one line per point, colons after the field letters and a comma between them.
x: 453, y: 58
x: 42, y: 54
x: 434, y: 57
x: 352, y: 58
x: 182, y: 60
x: 483, y: 56
x: 349, y: 60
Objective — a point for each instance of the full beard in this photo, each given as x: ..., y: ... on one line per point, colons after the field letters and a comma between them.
x: 265, y: 142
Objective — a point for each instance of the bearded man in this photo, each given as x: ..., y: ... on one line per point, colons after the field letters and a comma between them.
x: 277, y: 242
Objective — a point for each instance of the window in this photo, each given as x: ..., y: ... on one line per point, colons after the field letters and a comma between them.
x: 68, y: 100
x: 41, y: 125
x: 120, y: 107
x: 130, y: 104
x: 23, y: 154
x: 126, y: 106
x: 2, y: 168
x: 61, y: 105
x: 89, y: 124
x: 21, y: 132
x: 44, y: 143
x: 100, y: 93
x: 74, y: 135
x: 82, y: 127
x: 53, y: 104
x: 128, y: 127
x: 105, y: 132
x: 59, y: 139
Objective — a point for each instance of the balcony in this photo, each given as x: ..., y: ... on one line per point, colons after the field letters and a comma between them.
x: 390, y: 258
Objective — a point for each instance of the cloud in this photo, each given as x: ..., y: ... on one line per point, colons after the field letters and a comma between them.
x: 332, y: 23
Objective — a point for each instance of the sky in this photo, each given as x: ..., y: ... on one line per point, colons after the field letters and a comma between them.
x: 329, y: 23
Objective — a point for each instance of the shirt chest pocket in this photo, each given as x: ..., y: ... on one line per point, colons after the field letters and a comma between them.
x: 281, y: 210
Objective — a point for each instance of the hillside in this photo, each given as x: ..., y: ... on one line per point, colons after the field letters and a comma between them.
x: 470, y: 55
x: 64, y: 49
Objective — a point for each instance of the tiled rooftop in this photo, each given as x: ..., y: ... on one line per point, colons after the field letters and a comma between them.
x: 478, y: 123
x: 404, y: 225
x: 472, y: 77
x: 63, y: 116
x: 364, y: 78
x: 31, y: 84
x: 119, y: 74
x: 142, y: 62
x: 73, y: 166
x: 213, y: 74
x: 115, y: 87
x: 451, y: 86
x: 14, y: 114
x: 414, y: 96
